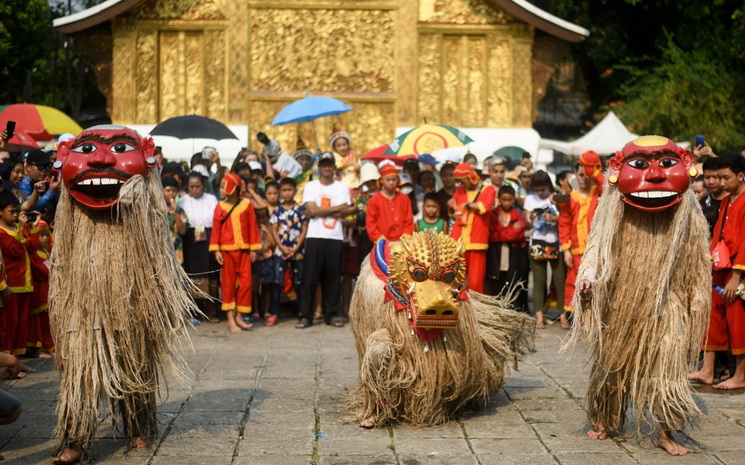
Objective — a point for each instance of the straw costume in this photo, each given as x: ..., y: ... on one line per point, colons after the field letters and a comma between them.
x: 427, y: 347
x: 642, y: 298
x: 118, y: 298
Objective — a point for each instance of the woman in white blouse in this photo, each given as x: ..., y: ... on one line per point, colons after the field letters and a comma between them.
x: 199, y: 207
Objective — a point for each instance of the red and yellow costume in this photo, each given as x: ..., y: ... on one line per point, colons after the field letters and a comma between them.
x: 16, y: 247
x: 727, y: 324
x: 39, y: 332
x: 474, y: 230
x: 575, y: 218
x: 235, y: 234
x: 389, y: 218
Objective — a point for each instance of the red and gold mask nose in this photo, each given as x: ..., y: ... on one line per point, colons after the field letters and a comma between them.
x: 652, y: 173
x: 96, y: 164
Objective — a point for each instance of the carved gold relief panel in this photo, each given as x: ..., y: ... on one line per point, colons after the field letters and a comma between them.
x: 322, y: 50
x: 460, y: 12
x: 124, y: 60
x: 430, y: 77
x: 499, y: 100
x: 147, y: 75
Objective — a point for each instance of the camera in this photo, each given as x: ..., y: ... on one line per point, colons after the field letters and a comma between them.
x: 31, y: 216
x: 207, y: 152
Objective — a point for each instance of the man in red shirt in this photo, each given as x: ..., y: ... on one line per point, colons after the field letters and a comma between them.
x: 727, y: 323
x: 389, y: 213
x: 472, y: 206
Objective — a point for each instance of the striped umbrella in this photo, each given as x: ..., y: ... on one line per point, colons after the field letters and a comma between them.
x: 38, y: 121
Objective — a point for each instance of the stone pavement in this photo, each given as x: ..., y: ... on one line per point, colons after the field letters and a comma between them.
x: 276, y: 396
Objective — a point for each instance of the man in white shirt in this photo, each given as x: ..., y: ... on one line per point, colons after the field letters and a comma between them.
x: 326, y: 203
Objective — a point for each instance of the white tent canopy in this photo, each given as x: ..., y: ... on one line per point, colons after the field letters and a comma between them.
x: 609, y: 135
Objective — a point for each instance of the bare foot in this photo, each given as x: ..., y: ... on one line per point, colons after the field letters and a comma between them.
x: 368, y: 422
x: 27, y: 368
x: 668, y: 444
x: 598, y: 432
x: 138, y: 443
x: 233, y: 328
x: 564, y: 321
x: 45, y: 355
x: 730, y: 384
x: 72, y: 454
x: 242, y: 324
x: 701, y: 377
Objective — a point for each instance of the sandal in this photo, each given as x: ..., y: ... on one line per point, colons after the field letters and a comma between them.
x: 337, y: 322
x: 271, y: 320
x: 303, y: 323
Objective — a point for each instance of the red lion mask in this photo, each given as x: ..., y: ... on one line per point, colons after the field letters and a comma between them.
x: 100, y: 160
x: 652, y: 173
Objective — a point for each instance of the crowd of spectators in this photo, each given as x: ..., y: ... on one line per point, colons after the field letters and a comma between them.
x: 260, y: 241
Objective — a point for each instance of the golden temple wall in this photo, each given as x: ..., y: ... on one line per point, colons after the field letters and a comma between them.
x: 396, y: 62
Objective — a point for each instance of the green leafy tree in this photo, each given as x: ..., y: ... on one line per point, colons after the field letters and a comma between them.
x: 669, y: 66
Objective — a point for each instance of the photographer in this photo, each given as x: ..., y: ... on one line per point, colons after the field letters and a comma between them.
x: 544, y: 248
x: 38, y: 169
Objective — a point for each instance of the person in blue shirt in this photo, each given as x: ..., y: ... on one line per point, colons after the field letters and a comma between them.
x: 39, y: 168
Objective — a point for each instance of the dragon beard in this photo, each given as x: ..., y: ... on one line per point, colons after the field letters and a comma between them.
x: 648, y: 313
x: 118, y: 302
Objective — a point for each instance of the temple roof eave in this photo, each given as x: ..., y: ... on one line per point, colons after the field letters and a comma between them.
x: 93, y: 16
x: 519, y: 9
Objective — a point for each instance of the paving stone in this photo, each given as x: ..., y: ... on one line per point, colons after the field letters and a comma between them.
x: 429, y: 446
x: 507, y: 446
x: 517, y: 459
x: 580, y: 458
x: 353, y: 446
x: 729, y: 458
x: 436, y: 458
x: 273, y: 460
x: 277, y: 443
x: 216, y: 446
x: 582, y: 444
x: 357, y: 460
x: 448, y: 430
x: 187, y: 460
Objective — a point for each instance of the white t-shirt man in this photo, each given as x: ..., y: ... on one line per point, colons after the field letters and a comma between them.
x: 326, y: 227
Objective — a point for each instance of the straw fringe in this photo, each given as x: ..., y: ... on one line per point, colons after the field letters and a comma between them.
x: 118, y: 305
x: 400, y: 382
x: 648, y: 314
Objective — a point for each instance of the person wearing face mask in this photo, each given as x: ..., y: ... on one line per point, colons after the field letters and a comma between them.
x: 472, y: 206
x: 389, y: 211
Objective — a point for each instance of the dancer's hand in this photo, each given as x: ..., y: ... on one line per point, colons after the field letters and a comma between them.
x: 218, y: 258
x: 568, y: 258
x: 585, y: 288
x: 730, y: 289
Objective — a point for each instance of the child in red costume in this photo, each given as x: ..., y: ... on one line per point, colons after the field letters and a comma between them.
x: 15, y: 232
x: 389, y: 213
x: 472, y: 206
x: 727, y: 322
x: 507, y: 232
x: 39, y: 332
x: 235, y: 240
x: 576, y: 216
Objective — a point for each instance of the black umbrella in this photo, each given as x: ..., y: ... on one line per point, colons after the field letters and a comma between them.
x: 193, y: 127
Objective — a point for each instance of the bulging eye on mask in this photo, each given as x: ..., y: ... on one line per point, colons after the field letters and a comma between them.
x: 406, y: 190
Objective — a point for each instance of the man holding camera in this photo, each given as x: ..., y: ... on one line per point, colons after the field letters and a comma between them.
x: 471, y: 206
x: 38, y: 167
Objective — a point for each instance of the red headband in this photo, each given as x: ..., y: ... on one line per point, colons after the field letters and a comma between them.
x: 232, y: 181
x: 593, y: 167
x: 465, y: 171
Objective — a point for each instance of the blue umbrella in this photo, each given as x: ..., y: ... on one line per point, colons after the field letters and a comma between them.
x: 310, y: 108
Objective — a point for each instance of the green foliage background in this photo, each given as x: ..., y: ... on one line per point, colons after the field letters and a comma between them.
x: 672, y: 67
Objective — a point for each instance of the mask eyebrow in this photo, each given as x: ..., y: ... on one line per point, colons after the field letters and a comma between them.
x: 106, y: 140
x: 651, y: 156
